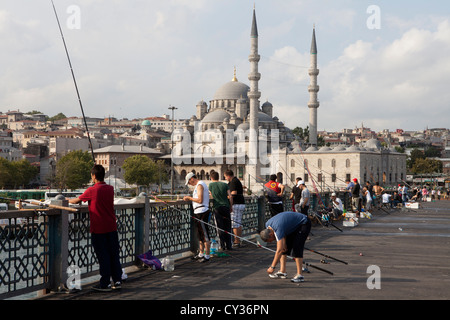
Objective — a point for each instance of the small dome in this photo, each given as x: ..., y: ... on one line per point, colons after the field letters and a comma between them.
x: 325, y: 149
x: 243, y: 126
x: 373, y: 144
x: 311, y: 149
x: 146, y: 123
x: 216, y: 116
x: 339, y: 148
x: 267, y: 104
x: 264, y: 117
x: 353, y: 148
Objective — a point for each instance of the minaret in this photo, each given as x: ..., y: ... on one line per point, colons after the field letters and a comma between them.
x: 313, y: 88
x: 254, y: 96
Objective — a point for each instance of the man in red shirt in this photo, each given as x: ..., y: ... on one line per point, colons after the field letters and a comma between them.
x: 274, y: 193
x: 103, y: 227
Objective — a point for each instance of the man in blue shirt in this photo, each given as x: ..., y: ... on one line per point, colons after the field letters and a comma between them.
x: 290, y: 230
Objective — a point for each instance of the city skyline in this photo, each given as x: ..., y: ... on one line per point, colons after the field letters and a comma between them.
x: 135, y: 59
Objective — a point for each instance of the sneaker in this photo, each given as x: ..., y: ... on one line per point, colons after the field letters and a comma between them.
x: 278, y: 275
x: 203, y: 259
x: 305, y: 269
x: 298, y: 278
x: 117, y: 285
x: 102, y: 289
x: 196, y: 257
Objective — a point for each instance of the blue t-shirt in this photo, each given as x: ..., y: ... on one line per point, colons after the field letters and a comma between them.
x: 285, y: 223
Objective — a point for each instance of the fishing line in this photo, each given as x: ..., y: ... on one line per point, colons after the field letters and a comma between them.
x: 240, y: 238
x: 74, y: 81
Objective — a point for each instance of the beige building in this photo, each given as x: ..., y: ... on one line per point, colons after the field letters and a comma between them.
x: 329, y: 168
x: 113, y: 157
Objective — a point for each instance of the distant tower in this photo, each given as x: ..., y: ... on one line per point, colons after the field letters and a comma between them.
x: 313, y: 88
x: 254, y: 96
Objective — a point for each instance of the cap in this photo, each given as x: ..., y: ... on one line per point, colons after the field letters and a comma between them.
x: 333, y: 194
x: 189, y: 176
x: 301, y: 182
x: 355, y: 180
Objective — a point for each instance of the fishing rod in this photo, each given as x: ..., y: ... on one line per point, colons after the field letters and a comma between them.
x: 240, y: 238
x: 74, y: 81
x: 325, y: 255
x: 39, y: 203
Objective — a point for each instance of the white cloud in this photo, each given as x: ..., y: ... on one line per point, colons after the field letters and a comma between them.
x: 398, y: 85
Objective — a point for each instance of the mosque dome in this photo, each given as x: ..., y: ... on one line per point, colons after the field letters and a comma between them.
x: 218, y: 116
x: 146, y: 123
x: 353, y: 148
x: 324, y: 149
x: 244, y: 126
x: 232, y: 90
x: 373, y: 144
x: 339, y: 148
x: 264, y: 117
x: 311, y: 149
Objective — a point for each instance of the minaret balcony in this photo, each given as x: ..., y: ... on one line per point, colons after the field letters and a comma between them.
x: 313, y: 88
x: 254, y: 76
x: 254, y: 57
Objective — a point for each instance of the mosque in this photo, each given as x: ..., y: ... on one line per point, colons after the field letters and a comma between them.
x: 235, y: 132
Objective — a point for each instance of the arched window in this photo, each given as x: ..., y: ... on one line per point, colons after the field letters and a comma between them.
x: 347, y: 163
x: 333, y: 163
x: 292, y: 163
x: 319, y: 163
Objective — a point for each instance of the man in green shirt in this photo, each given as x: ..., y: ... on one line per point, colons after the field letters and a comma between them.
x: 222, y: 204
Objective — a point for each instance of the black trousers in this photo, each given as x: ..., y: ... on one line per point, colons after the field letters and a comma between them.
x: 223, y: 221
x: 295, y: 242
x: 275, y: 208
x: 106, y: 247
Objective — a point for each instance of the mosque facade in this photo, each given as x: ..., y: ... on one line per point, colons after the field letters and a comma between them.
x: 235, y: 132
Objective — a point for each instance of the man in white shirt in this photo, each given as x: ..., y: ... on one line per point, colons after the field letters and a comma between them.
x: 200, y: 203
x: 386, y: 199
x: 336, y: 204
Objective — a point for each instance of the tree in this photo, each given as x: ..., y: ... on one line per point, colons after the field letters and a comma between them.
x: 143, y: 171
x: 426, y: 166
x: 59, y: 116
x: 415, y: 154
x: 6, y: 176
x: 24, y: 172
x: 301, y: 133
x: 74, y: 170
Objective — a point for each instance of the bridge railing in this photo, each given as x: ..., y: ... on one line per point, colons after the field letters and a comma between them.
x: 38, y: 246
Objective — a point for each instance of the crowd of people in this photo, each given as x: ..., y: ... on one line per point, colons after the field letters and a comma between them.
x: 289, y: 228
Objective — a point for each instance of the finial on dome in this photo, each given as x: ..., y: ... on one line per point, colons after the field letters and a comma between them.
x: 234, y: 76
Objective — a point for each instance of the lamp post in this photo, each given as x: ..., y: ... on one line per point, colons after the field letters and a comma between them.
x: 171, y: 151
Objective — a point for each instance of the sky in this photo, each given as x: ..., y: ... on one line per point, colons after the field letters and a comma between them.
x: 383, y: 64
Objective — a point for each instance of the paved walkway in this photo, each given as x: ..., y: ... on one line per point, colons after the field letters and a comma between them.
x: 411, y: 250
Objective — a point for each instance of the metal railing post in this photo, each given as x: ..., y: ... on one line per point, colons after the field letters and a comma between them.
x: 58, y: 239
x: 261, y: 207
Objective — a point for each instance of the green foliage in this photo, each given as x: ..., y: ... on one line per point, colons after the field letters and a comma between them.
x: 73, y: 171
x: 15, y: 174
x: 418, y: 162
x: 6, y: 173
x: 143, y: 171
x: 301, y: 133
x: 426, y: 166
x: 24, y: 172
x: 59, y: 116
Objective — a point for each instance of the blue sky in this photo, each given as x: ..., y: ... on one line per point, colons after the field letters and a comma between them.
x: 135, y: 58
